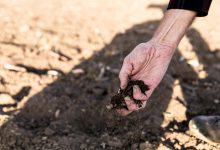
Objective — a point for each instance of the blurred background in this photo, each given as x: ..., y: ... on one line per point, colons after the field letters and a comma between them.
x: 59, y: 65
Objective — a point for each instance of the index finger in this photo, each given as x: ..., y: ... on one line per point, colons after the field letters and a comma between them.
x: 125, y: 73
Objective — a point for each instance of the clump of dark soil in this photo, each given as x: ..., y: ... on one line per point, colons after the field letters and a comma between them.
x: 118, y: 100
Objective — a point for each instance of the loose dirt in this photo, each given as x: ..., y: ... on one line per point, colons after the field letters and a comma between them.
x: 118, y: 100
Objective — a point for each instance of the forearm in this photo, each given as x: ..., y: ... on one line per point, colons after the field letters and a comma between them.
x: 174, y: 25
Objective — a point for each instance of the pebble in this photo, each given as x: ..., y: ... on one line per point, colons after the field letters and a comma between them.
x: 193, y: 62
x: 57, y: 113
x: 216, y: 101
x: 14, y: 68
x: 181, y: 59
x: 44, y: 138
x: 53, y: 72
x: 6, y: 99
x: 202, y: 74
x: 78, y: 71
x: 176, y: 82
x: 103, y: 145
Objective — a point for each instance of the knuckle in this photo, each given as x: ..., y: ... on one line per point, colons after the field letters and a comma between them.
x: 142, y: 45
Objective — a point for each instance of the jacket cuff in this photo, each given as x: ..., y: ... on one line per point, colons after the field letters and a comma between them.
x: 200, y: 6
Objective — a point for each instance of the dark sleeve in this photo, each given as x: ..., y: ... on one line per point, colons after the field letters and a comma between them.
x: 200, y: 6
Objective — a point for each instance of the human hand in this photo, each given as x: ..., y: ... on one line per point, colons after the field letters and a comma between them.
x: 147, y: 62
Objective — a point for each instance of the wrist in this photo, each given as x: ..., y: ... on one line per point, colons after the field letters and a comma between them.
x: 163, y: 48
x: 173, y: 26
x: 166, y: 43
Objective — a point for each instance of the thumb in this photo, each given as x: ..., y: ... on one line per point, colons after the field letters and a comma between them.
x: 137, y: 94
x: 125, y: 73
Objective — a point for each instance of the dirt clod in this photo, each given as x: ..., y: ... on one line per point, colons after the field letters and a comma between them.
x: 118, y: 100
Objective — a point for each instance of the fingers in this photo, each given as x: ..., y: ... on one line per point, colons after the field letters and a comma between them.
x: 123, y: 112
x: 131, y: 105
x: 125, y: 73
x: 137, y: 94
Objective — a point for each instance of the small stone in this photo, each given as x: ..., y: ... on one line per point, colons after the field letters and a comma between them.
x: 202, y: 74
x: 78, y: 71
x: 216, y: 101
x: 53, y: 72
x: 44, y: 138
x: 194, y: 126
x: 3, y: 119
x: 181, y: 59
x: 83, y: 110
x: 194, y: 63
x: 110, y: 106
x: 175, y: 127
x: 57, y: 113
x: 176, y: 82
x: 14, y: 68
x: 103, y: 145
x: 6, y: 99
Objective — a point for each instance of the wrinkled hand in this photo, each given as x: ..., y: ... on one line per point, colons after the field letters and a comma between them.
x: 147, y: 62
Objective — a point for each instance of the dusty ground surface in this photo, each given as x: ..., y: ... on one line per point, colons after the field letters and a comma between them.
x: 59, y: 64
